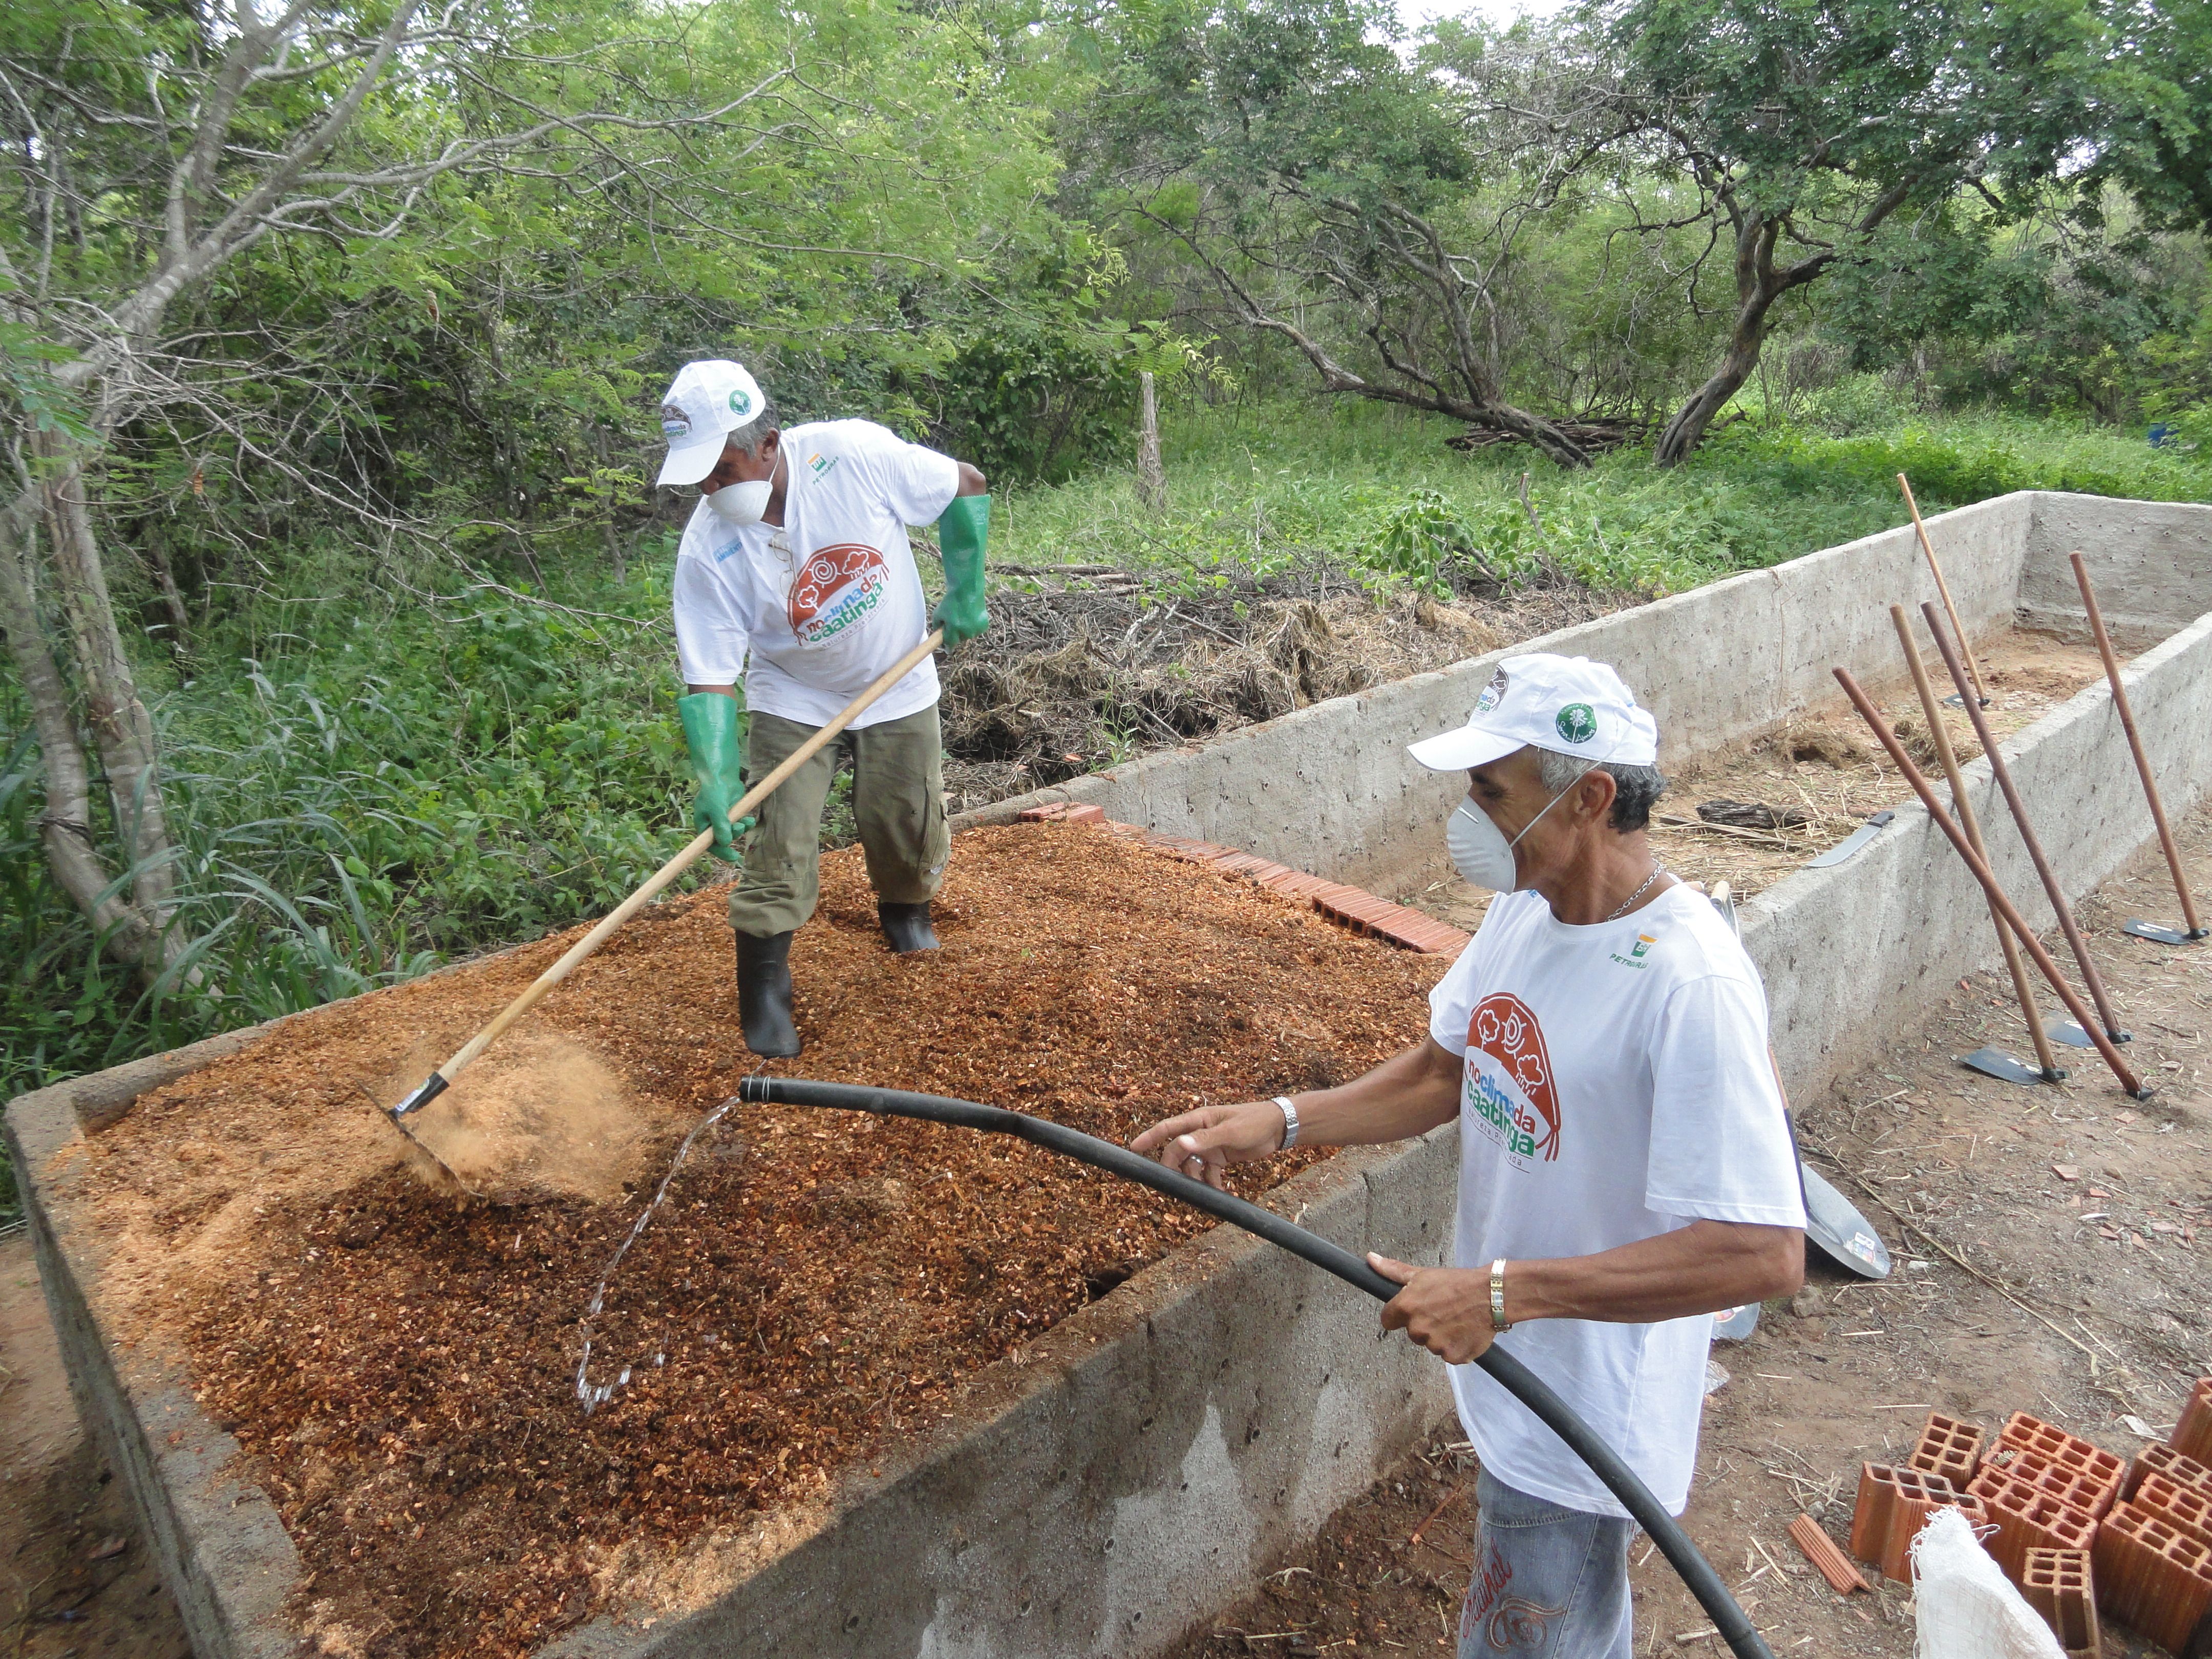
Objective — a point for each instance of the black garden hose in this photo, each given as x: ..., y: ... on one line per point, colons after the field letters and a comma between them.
x: 1523, y: 1384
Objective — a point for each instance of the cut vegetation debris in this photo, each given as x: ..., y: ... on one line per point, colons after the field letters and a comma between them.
x: 817, y: 1291
x: 1099, y: 667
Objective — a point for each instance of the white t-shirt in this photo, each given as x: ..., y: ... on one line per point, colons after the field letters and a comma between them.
x: 1617, y: 1086
x: 823, y: 604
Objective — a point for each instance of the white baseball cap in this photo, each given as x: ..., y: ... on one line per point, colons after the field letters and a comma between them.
x: 706, y: 401
x: 1569, y: 705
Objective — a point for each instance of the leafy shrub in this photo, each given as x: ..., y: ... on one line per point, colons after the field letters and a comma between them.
x: 1426, y: 536
x: 1034, y: 404
x: 354, y: 813
x: 1853, y: 405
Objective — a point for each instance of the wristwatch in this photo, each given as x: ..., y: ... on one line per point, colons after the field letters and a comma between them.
x: 1499, y: 1322
x: 1290, y: 1123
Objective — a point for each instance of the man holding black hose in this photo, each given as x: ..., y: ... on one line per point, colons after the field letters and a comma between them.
x: 1625, y: 1167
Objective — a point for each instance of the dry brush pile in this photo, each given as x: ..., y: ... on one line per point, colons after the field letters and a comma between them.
x: 1093, y: 666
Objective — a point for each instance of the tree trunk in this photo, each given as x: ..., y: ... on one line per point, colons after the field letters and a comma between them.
x: 1691, y: 420
x: 1151, y: 478
x: 1758, y: 286
x: 65, y: 825
x: 121, y: 728
x: 172, y: 599
x: 610, y: 532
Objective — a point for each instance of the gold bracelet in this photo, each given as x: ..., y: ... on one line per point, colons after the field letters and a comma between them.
x: 1499, y: 1322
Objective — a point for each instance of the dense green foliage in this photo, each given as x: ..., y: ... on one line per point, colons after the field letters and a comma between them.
x: 371, y: 488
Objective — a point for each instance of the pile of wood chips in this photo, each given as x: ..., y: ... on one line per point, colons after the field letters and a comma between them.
x: 820, y: 1290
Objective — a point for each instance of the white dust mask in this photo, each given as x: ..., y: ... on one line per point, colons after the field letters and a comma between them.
x: 1479, y: 848
x: 740, y: 504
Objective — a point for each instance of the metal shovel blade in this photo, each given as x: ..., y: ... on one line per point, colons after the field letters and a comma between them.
x: 1843, y: 1235
x: 2163, y: 935
x: 1995, y: 1062
x: 2066, y: 1031
x: 1851, y: 843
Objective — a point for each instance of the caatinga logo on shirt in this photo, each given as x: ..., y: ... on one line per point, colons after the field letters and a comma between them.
x: 1509, y: 1080
x: 836, y: 590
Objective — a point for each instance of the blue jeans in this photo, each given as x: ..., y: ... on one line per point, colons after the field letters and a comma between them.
x: 1549, y: 1583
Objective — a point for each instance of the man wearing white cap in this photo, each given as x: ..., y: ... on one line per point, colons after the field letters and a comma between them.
x: 795, y: 572
x: 1625, y: 1167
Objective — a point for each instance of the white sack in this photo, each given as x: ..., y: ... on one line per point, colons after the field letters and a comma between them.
x: 1966, y: 1608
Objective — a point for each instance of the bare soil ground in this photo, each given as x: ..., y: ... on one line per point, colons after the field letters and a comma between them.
x: 2052, y: 1247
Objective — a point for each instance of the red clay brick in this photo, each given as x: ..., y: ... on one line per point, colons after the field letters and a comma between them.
x: 1243, y: 864
x: 1917, y: 1496
x: 1350, y: 907
x: 2028, y: 1517
x: 1064, y: 811
x: 2032, y: 1434
x: 2182, y: 1507
x: 1820, y: 1550
x: 2062, y: 1586
x: 1186, y: 847
x: 2152, y: 1576
x: 2068, y: 1485
x: 1870, y: 1515
x: 2192, y: 1435
x: 2164, y: 1460
x: 1949, y: 1448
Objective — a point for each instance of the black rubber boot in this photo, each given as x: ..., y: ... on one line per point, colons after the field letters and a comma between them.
x: 906, y: 927
x: 764, y: 994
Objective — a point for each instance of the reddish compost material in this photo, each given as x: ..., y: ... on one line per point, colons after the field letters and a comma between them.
x: 822, y: 1289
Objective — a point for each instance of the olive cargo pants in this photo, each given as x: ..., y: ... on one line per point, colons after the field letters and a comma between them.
x: 898, y: 806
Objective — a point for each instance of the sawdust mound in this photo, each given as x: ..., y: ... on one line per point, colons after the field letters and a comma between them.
x: 537, y: 1116
x: 822, y: 1291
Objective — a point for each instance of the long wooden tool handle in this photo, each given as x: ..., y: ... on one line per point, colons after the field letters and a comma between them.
x: 2134, y: 743
x: 683, y: 860
x: 1995, y: 893
x: 1944, y: 589
x: 2059, y: 905
x: 1932, y: 706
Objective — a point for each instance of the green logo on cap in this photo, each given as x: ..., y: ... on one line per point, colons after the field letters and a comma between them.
x: 1577, y: 722
x: 741, y: 403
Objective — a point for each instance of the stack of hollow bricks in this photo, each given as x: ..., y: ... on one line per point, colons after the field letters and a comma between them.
x: 1349, y: 907
x: 2073, y: 1527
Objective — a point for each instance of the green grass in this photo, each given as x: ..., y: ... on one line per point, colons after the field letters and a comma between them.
x: 365, y: 785
x: 1267, y: 489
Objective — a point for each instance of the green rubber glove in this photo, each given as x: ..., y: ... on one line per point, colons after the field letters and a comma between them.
x: 710, y: 731
x: 961, y: 534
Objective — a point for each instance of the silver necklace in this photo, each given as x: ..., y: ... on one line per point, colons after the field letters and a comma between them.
x: 1628, y: 903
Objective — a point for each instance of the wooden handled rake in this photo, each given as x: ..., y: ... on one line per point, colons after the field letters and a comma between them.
x: 443, y: 1079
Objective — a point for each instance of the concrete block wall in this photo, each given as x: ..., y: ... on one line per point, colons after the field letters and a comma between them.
x: 1850, y: 953
x: 223, y: 1552
x: 1331, y: 788
x: 1165, y: 1445
x: 2150, y: 562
